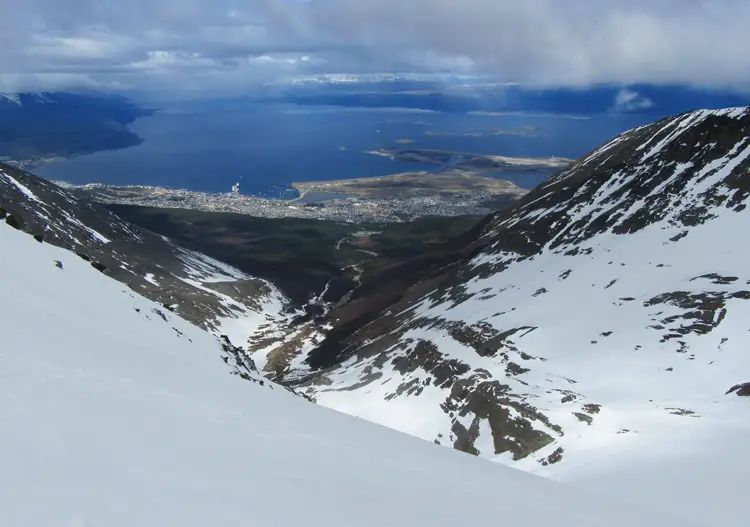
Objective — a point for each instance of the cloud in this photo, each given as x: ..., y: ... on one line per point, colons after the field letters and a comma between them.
x: 628, y: 100
x: 230, y: 45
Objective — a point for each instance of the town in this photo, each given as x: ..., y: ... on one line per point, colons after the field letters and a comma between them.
x: 345, y: 208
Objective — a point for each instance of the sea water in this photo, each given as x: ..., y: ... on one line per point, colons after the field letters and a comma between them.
x: 265, y: 147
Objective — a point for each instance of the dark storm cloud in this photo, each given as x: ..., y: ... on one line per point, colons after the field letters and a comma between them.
x: 236, y: 43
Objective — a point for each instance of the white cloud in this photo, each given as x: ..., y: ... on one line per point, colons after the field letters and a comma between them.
x: 628, y: 100
x: 160, y: 43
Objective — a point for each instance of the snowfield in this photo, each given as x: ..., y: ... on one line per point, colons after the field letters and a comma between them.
x: 114, y: 413
x: 699, y: 473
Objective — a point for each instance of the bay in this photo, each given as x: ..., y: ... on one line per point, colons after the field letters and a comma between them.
x: 265, y: 147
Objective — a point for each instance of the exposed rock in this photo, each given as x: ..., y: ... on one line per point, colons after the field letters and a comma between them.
x: 14, y: 221
x: 99, y: 267
x: 743, y: 390
x: 554, y: 457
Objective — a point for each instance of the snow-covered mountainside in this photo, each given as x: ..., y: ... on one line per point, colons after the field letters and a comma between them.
x: 198, y: 288
x: 606, y: 314
x: 19, y: 99
x: 113, y: 413
x: 377, y: 78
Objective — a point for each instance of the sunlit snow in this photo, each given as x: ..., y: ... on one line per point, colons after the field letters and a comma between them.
x: 112, y: 416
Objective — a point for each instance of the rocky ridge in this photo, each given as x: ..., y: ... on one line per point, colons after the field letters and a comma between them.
x: 196, y: 287
x: 609, y: 302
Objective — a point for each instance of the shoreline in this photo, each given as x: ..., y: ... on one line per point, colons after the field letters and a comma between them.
x: 157, y: 189
x: 395, y: 198
x: 470, y: 159
x: 442, y: 163
x: 454, y: 182
x: 303, y: 188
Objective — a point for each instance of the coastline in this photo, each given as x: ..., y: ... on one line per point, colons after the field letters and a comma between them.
x: 464, y: 164
x: 301, y: 192
x: 396, y: 198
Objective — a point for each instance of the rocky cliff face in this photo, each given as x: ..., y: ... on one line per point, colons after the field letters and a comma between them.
x: 610, y: 302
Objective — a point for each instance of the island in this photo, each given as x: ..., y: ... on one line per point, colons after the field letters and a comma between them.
x: 528, y: 131
x: 474, y: 162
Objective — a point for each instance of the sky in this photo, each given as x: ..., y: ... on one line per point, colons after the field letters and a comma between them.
x: 227, y: 46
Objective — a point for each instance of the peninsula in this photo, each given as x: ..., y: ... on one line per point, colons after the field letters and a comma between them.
x: 472, y: 161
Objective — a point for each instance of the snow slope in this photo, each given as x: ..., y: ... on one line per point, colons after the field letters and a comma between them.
x: 114, y: 414
x: 591, y: 332
x: 699, y: 475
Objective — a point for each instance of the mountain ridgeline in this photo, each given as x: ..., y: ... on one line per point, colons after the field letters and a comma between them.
x: 200, y: 289
x: 610, y: 301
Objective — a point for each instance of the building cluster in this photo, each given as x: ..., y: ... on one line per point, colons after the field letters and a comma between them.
x: 346, y: 209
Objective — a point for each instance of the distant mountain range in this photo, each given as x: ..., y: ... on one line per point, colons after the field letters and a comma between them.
x: 460, y: 94
x: 372, y: 78
x: 40, y: 125
x: 24, y: 99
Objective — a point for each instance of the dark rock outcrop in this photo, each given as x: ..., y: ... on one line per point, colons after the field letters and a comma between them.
x: 743, y: 390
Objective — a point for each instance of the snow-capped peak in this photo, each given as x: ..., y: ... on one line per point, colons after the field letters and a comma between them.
x: 11, y: 97
x: 376, y: 78
x: 21, y: 99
